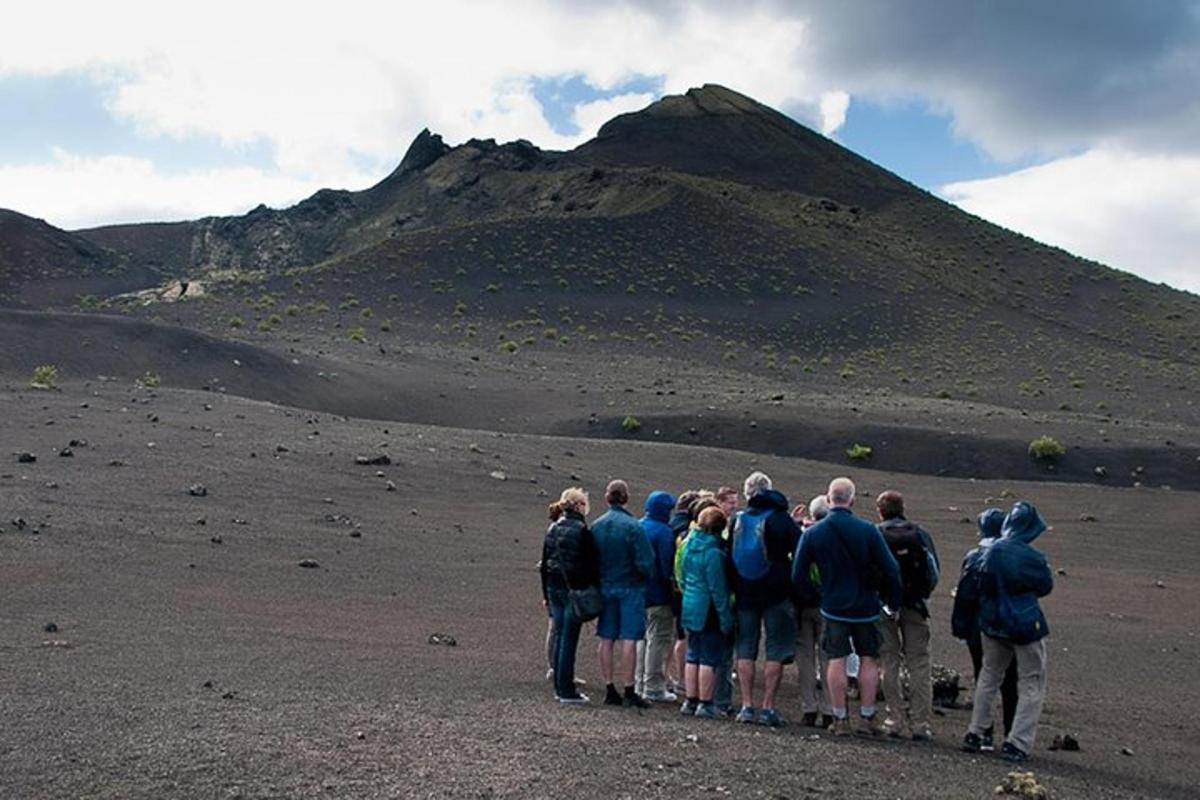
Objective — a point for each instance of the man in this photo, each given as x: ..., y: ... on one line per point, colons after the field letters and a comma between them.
x: 905, y: 630
x: 626, y: 561
x: 764, y: 537
x: 1012, y: 577
x: 728, y: 500
x: 650, y: 679
x: 810, y: 657
x: 852, y: 561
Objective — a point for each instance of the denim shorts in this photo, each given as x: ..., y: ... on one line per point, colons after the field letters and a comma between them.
x: 705, y: 648
x: 838, y: 635
x: 780, y: 623
x: 624, y: 614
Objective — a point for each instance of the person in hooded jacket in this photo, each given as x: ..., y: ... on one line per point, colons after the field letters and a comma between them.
x: 650, y: 680
x: 569, y: 561
x: 1012, y: 577
x: 707, y: 615
x: 764, y: 538
x: 678, y: 523
x: 964, y: 620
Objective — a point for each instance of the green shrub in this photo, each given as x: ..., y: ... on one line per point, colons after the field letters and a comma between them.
x: 150, y: 380
x: 358, y: 335
x: 1046, y: 448
x: 236, y: 322
x: 858, y: 452
x: 510, y: 347
x: 44, y: 377
x: 630, y: 424
x: 385, y: 326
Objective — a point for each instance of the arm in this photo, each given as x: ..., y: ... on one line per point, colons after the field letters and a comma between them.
x: 964, y: 618
x: 542, y: 568
x: 802, y: 569
x: 935, y: 564
x: 892, y: 591
x: 664, y: 550
x: 714, y: 567
x: 643, y: 554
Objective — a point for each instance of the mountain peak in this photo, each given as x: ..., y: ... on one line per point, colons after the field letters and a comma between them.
x: 425, y: 149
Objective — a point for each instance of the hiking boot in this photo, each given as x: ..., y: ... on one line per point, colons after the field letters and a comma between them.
x: 895, y: 728
x: 809, y: 720
x: 688, y: 709
x: 706, y: 711
x: 922, y: 733
x: 745, y: 716
x: 612, y: 697
x: 661, y: 697
x: 1013, y: 754
x: 840, y: 727
x: 972, y: 743
x: 771, y: 718
x: 987, y: 744
x: 577, y: 699
x: 826, y: 721
x: 633, y: 701
x: 871, y: 726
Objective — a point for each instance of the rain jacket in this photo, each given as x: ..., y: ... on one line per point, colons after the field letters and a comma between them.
x: 705, y: 588
x: 780, y: 536
x: 569, y: 555
x: 626, y: 560
x: 855, y: 566
x: 660, y: 585
x: 964, y: 619
x: 1012, y: 577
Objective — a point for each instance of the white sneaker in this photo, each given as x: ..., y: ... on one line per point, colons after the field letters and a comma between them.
x: 550, y: 674
x: 661, y: 697
x: 578, y: 700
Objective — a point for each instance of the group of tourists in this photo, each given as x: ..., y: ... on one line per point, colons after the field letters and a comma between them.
x: 685, y: 597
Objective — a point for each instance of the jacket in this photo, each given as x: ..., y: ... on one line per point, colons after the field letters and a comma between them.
x: 1012, y: 577
x: 568, y: 555
x: 964, y: 618
x: 897, y: 531
x: 780, y: 536
x: 705, y: 590
x: 623, y: 550
x: 660, y: 586
x: 855, y: 566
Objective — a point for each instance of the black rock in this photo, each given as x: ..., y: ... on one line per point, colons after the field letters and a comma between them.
x: 50, y: 627
x: 66, y: 452
x: 309, y: 563
x: 444, y: 639
x: 198, y: 490
x: 26, y: 458
x: 373, y: 461
x: 77, y: 443
x: 19, y: 523
x: 1065, y: 742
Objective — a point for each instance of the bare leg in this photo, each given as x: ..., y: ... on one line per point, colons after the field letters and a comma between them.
x: 745, y: 669
x: 868, y: 680
x: 835, y: 684
x: 691, y: 680
x: 707, y: 681
x: 628, y: 661
x: 605, y: 652
x: 772, y: 677
x: 678, y: 657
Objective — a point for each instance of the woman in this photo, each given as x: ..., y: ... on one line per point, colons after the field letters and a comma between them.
x: 554, y: 510
x: 568, y: 562
x: 707, y: 613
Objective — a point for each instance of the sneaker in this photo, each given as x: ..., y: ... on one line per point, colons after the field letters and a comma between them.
x: 612, y: 697
x: 771, y: 718
x: 987, y: 744
x: 1013, y: 754
x: 577, y: 699
x: 633, y: 701
x: 688, y: 709
x: 840, y: 727
x: 809, y: 720
x: 745, y: 716
x: 661, y: 697
x: 972, y: 743
x: 922, y: 733
x: 706, y: 711
x: 826, y: 721
x: 871, y: 726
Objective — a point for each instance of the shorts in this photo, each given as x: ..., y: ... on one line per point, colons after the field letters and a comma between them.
x: 780, y: 623
x: 705, y: 648
x: 838, y: 636
x: 624, y: 614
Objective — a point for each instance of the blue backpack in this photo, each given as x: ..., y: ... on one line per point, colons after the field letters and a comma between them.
x: 749, y: 547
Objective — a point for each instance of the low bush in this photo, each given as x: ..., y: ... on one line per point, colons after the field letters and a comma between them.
x: 859, y: 452
x: 44, y: 377
x: 1046, y: 448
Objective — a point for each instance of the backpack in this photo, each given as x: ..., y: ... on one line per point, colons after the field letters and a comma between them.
x: 680, y: 545
x: 749, y: 546
x: 916, y: 569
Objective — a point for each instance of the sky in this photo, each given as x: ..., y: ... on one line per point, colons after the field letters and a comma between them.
x: 1075, y: 122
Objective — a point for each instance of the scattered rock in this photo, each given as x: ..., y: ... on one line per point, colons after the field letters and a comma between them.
x: 499, y: 475
x: 1127, y: 751
x: 50, y: 627
x: 19, y: 523
x: 26, y: 458
x: 1023, y: 784
x: 1100, y: 472
x: 116, y: 462
x: 360, y: 735
x: 1062, y: 571
x: 229, y: 695
x: 309, y: 563
x: 444, y: 639
x: 216, y: 539
x: 64, y: 644
x: 198, y: 490
x: 1160, y: 585
x: 373, y: 461
x: 206, y: 685
x: 1065, y: 742
x: 947, y: 684
x: 391, y: 486
x: 66, y: 452
x: 77, y: 443
x: 1087, y: 518
x: 281, y: 449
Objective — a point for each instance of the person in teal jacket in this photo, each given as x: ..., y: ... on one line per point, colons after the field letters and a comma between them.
x: 707, y: 614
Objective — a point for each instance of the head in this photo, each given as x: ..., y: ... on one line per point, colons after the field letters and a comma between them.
x: 727, y: 499
x: 574, y: 499
x: 756, y: 482
x: 554, y: 510
x: 818, y: 508
x: 841, y: 493
x: 616, y: 493
x: 658, y: 506
x: 890, y: 505
x: 712, y: 519
x: 990, y: 522
x: 685, y: 501
x: 702, y: 503
x: 1023, y: 523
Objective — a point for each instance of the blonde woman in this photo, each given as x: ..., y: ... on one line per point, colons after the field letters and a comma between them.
x: 568, y: 562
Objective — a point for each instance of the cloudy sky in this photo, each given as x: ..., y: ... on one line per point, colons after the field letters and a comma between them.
x: 1077, y: 122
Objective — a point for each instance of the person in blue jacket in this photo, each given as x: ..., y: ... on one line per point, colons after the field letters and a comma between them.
x: 858, y: 575
x: 626, y: 562
x: 650, y: 678
x: 964, y: 620
x: 707, y: 613
x: 1012, y: 576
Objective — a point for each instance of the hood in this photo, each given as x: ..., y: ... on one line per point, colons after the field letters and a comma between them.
x: 659, y: 506
x: 990, y: 522
x: 1023, y: 523
x: 769, y: 500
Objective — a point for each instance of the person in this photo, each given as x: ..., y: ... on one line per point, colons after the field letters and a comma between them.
x: 1012, y: 577
x: 707, y: 616
x: 626, y: 561
x: 554, y: 511
x: 810, y: 657
x: 728, y: 499
x: 678, y: 524
x: 964, y: 621
x: 569, y: 561
x: 764, y: 537
x: 904, y: 630
x: 855, y: 567
x: 650, y: 680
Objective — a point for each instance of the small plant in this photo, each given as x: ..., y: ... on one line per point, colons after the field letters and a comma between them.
x: 1046, y: 448
x: 44, y: 377
x: 858, y: 452
x: 385, y: 326
x: 150, y: 380
x: 510, y: 347
x: 630, y: 424
x: 236, y: 322
x: 358, y: 335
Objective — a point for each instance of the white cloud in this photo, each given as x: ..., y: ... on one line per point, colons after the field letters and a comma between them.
x: 833, y: 107
x: 1135, y: 212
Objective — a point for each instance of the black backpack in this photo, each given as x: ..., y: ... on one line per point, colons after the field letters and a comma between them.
x: 904, y: 540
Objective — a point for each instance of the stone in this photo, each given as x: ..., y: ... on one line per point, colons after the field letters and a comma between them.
x: 443, y: 639
x: 50, y: 627
x: 373, y: 461
x: 198, y: 490
x: 1127, y: 751
x: 1065, y: 742
x: 19, y: 523
x: 309, y: 563
x: 498, y: 475
x: 391, y: 486
x: 26, y: 458
x: 66, y: 452
x: 1087, y: 518
x: 947, y: 684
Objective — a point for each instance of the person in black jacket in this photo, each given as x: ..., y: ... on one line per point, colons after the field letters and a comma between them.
x: 568, y: 562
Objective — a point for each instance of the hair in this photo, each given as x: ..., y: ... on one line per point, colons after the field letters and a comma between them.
x: 726, y: 491
x: 756, y: 482
x: 841, y: 492
x: 890, y: 504
x: 574, y: 499
x: 686, y: 499
x: 701, y: 504
x: 818, y: 508
x: 617, y: 493
x: 712, y: 520
x: 555, y: 510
